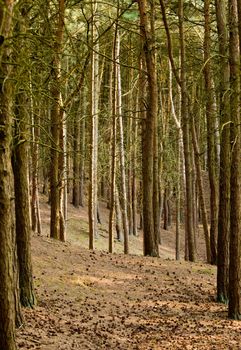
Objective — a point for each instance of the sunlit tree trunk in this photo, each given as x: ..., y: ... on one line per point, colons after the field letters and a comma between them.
x: 93, y: 186
x: 180, y: 159
x: 56, y: 124
x: 123, y: 196
x: 62, y: 176
x: 113, y: 206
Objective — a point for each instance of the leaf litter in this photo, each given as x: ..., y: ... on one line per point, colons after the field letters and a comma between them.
x: 95, y: 300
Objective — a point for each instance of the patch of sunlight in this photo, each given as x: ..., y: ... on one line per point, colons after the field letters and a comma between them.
x: 205, y: 270
x: 90, y: 281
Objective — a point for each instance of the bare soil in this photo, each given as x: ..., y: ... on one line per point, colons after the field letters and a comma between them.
x: 96, y: 300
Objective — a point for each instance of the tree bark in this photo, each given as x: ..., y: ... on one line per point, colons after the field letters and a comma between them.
x: 123, y: 197
x: 234, y: 305
x: 113, y: 206
x: 224, y: 175
x: 211, y: 135
x: 93, y: 186
x: 22, y: 205
x: 56, y: 115
x: 76, y: 160
x: 7, y: 314
x: 201, y: 191
x: 148, y: 136
x: 186, y: 140
x: 35, y: 212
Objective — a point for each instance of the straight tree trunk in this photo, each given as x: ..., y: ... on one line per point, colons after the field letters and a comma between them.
x: 93, y: 187
x: 35, y: 211
x: 119, y: 221
x: 180, y: 160
x: 22, y: 205
x: 148, y: 136
x: 134, y: 179
x: 178, y: 202
x: 76, y: 160
x: 201, y: 191
x: 186, y: 140
x: 7, y: 290
x: 224, y: 175
x: 62, y: 176
x: 130, y: 167
x: 113, y: 104
x: 123, y: 197
x: 165, y: 209
x: 56, y: 116
x: 211, y: 137
x: 234, y: 305
x: 82, y: 156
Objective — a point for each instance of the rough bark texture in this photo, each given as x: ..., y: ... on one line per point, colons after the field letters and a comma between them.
x: 21, y: 171
x: 224, y: 175
x: 148, y: 135
x: 7, y: 313
x: 234, y: 306
x: 22, y: 207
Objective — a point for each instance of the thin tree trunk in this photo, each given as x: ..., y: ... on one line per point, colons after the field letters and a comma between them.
x: 93, y: 187
x: 113, y: 105
x: 123, y: 198
x: 224, y: 175
x: 201, y: 191
x: 178, y: 201
x: 134, y: 179
x: 211, y: 137
x: 35, y: 212
x: 186, y: 140
x: 63, y: 177
x: 119, y: 221
x: 82, y: 156
x: 56, y: 116
x: 165, y: 210
x: 76, y: 160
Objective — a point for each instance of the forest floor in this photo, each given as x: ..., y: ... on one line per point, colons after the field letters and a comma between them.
x: 95, y: 300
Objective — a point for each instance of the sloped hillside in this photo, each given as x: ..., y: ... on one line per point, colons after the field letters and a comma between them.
x: 95, y: 300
